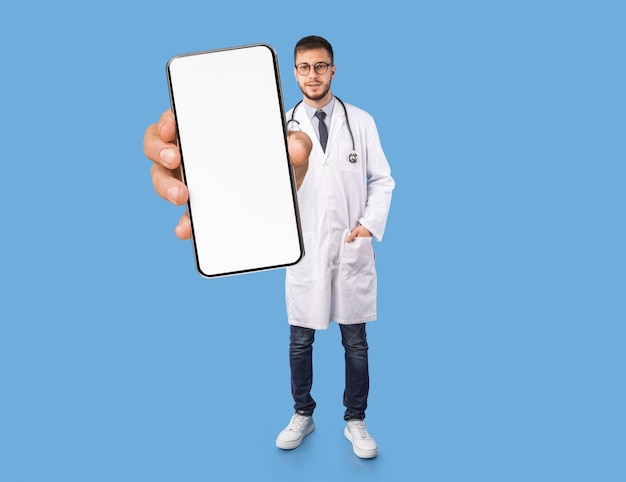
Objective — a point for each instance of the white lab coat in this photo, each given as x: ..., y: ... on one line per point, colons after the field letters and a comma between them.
x: 335, y: 280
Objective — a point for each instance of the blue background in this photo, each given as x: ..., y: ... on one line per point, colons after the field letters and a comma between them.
x: 499, y: 350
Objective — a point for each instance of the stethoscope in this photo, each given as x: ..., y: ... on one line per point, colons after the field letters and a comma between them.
x: 293, y: 124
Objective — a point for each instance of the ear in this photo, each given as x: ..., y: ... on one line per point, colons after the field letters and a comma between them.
x: 332, y: 71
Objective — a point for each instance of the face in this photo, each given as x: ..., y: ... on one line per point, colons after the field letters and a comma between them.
x: 314, y: 86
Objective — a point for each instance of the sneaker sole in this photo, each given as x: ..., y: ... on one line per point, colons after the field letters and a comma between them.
x: 295, y: 443
x: 363, y: 454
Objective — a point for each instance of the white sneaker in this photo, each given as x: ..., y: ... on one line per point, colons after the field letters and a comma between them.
x: 363, y: 444
x: 299, y: 427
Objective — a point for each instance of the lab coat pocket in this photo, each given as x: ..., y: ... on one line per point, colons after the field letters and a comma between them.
x: 357, y: 259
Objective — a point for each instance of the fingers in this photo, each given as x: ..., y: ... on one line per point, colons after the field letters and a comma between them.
x: 167, y: 127
x: 359, y: 231
x: 160, y: 147
x: 183, y: 230
x: 168, y: 185
x: 159, y: 142
x: 299, y: 145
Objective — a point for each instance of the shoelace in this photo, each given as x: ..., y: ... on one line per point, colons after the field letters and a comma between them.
x: 361, y: 430
x: 296, y: 422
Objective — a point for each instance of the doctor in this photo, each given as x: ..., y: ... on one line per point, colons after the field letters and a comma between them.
x: 344, y: 201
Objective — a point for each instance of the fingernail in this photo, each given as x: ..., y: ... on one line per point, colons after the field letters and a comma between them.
x: 173, y: 194
x: 167, y: 155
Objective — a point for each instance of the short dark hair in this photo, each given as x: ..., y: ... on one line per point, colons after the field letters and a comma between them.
x: 314, y: 42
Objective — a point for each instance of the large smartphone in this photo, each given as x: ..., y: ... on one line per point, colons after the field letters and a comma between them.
x: 232, y: 137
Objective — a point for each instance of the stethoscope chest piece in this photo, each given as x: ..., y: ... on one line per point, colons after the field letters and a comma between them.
x: 353, y: 157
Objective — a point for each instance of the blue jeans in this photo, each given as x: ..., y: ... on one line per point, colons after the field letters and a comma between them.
x: 354, y: 340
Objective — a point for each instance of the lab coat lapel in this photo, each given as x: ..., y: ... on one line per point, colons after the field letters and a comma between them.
x: 307, y: 126
x: 338, y: 118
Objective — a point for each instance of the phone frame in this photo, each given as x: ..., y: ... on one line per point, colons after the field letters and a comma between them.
x: 296, y: 237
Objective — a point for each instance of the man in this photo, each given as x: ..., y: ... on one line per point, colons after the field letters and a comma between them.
x: 344, y: 201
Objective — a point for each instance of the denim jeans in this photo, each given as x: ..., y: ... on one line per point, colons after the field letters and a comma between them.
x: 354, y: 340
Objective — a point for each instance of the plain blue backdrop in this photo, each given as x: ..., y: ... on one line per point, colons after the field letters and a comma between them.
x: 499, y: 350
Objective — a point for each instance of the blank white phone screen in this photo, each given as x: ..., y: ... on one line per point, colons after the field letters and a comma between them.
x: 231, y: 132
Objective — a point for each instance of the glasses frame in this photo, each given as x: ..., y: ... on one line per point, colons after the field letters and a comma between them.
x: 315, y: 68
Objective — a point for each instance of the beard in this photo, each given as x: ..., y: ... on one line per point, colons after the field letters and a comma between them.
x: 319, y: 95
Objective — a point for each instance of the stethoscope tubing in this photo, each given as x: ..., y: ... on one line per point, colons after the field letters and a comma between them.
x: 352, y: 157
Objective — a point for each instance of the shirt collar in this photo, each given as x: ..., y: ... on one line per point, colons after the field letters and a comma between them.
x: 328, y: 108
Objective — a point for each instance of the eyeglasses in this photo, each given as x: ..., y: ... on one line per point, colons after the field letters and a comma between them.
x: 320, y: 68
